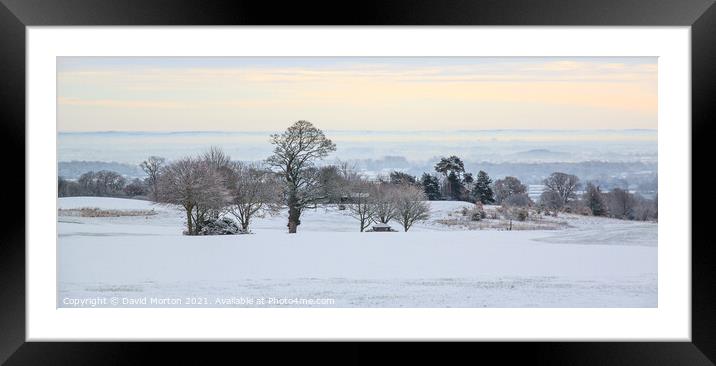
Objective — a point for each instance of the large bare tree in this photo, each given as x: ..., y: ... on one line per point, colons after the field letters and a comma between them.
x: 220, y: 163
x: 194, y: 185
x: 151, y: 167
x: 410, y: 206
x: 295, y: 152
x: 255, y: 192
x: 563, y: 186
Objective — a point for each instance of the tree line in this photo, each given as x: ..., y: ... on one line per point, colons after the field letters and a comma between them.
x: 562, y: 192
x: 212, y: 187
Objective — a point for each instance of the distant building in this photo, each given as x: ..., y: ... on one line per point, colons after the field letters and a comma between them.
x: 534, y: 191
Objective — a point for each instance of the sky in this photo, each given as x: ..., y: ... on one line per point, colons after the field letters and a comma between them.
x: 355, y: 93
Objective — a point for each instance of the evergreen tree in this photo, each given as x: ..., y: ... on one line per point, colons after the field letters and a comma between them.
x: 453, y: 164
x: 455, y: 186
x: 594, y: 199
x: 431, y: 186
x: 452, y: 168
x: 397, y: 177
x: 483, y: 191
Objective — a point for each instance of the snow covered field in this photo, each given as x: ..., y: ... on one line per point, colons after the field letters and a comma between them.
x: 144, y: 261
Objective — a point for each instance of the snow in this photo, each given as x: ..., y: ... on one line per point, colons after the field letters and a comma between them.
x: 596, y: 262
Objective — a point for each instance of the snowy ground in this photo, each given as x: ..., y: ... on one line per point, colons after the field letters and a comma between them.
x: 145, y: 261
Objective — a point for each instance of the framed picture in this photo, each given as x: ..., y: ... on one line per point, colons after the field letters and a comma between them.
x: 416, y: 171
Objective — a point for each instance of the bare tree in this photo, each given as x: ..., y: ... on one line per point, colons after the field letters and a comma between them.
x: 645, y: 208
x: 361, y: 207
x: 89, y: 183
x: 621, y: 204
x: 254, y: 191
x: 563, y: 186
x: 135, y: 188
x: 295, y: 152
x: 102, y: 183
x: 217, y: 160
x: 550, y: 201
x: 332, y: 182
x: 411, y: 206
x: 68, y: 188
x: 220, y: 163
x: 152, y: 166
x: 194, y: 185
x: 385, y: 202
x: 508, y: 186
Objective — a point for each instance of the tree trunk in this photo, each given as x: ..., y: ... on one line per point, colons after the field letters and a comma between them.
x: 245, y: 225
x: 293, y: 219
x: 154, y: 191
x: 294, y: 212
x: 189, y: 226
x: 198, y: 220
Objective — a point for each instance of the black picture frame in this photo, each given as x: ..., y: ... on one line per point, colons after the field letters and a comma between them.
x: 16, y: 15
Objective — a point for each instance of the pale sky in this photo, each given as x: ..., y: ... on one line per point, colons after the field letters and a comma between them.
x: 355, y: 93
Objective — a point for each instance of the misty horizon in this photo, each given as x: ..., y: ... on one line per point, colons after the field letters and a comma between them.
x: 480, y: 145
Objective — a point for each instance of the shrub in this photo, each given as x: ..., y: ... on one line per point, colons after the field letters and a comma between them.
x: 514, y: 213
x: 220, y: 226
x: 478, y: 212
x: 475, y: 213
x: 578, y: 207
x: 521, y: 214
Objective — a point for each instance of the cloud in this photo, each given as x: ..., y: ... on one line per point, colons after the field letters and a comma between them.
x: 348, y: 93
x: 112, y: 103
x: 153, y: 78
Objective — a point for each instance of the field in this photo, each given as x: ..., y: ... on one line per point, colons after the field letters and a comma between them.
x: 132, y: 252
